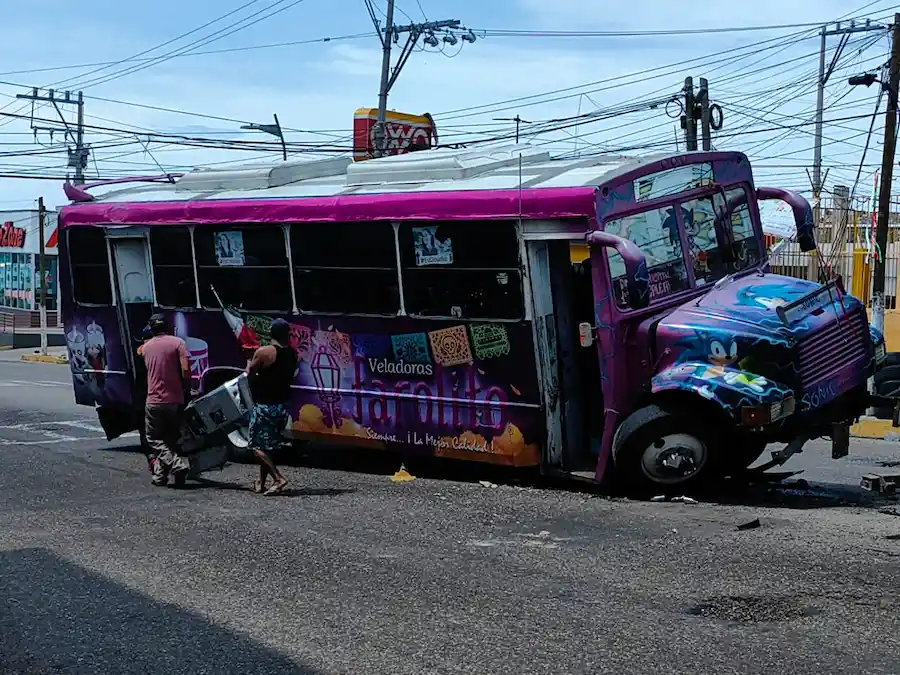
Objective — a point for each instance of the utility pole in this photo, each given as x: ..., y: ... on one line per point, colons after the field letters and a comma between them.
x: 703, y: 95
x: 42, y: 217
x: 689, y: 119
x: 517, y: 119
x: 388, y: 35
x: 817, y: 151
x: 77, y: 157
x: 845, y: 32
x: 384, y: 88
x: 887, y: 175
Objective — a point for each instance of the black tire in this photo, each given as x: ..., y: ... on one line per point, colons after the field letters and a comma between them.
x: 741, y: 454
x: 888, y: 388
x: 887, y: 374
x: 654, y: 427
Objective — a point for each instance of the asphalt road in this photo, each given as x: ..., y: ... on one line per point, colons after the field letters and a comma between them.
x: 351, y: 573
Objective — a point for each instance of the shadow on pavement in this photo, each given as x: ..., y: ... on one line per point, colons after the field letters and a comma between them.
x: 789, y: 493
x: 56, y: 617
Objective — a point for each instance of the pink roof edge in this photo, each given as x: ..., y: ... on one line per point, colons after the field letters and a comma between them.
x: 530, y: 204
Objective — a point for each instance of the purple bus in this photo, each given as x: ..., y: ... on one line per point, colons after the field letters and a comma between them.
x: 439, y: 304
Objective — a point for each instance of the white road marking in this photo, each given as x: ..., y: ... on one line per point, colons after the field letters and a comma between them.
x: 49, y: 436
x: 58, y: 438
x: 81, y: 425
x: 46, y: 441
x: 36, y: 425
x: 20, y: 383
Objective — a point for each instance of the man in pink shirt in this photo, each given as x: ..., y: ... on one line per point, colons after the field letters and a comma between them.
x: 168, y: 372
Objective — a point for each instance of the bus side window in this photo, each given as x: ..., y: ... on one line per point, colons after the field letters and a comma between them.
x: 346, y: 268
x: 246, y: 264
x: 467, y: 270
x: 173, y: 266
x: 89, y: 260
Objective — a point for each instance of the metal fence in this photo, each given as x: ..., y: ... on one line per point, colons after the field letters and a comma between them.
x: 845, y: 231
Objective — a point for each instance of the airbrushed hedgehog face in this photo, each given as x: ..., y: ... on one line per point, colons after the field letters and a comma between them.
x: 723, y: 353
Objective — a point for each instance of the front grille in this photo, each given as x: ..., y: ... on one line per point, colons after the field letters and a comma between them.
x: 832, y: 347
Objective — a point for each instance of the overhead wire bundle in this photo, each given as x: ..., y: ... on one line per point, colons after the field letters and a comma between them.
x: 637, y: 124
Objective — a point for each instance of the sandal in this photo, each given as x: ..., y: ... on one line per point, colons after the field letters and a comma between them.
x: 258, y: 487
x: 276, y: 489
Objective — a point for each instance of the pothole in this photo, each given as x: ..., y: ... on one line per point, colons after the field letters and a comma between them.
x: 754, y: 609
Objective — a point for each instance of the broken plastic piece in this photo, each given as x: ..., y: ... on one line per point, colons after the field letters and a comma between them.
x: 752, y: 525
x: 402, y: 476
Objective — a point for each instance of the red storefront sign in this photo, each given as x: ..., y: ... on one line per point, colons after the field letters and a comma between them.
x: 403, y: 132
x: 12, y: 236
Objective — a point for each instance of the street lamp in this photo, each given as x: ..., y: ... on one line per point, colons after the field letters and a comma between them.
x: 273, y: 129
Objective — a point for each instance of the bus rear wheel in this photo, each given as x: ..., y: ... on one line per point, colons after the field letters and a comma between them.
x: 659, y: 449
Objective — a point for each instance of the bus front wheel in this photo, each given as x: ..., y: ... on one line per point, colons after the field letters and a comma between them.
x: 657, y: 448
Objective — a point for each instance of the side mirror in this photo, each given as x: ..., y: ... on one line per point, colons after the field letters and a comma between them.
x: 585, y: 334
x: 635, y: 265
x: 802, y: 211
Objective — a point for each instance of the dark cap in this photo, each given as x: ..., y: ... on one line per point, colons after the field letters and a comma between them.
x: 157, y: 323
x: 280, y: 330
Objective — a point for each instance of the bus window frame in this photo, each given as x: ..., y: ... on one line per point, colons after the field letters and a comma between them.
x: 675, y: 201
x: 217, y: 227
x: 299, y: 310
x: 109, y: 268
x: 190, y: 228
x: 521, y: 270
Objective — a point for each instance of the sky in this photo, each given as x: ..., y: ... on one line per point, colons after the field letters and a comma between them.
x: 271, y: 56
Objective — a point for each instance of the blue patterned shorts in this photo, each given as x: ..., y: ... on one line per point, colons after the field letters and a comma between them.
x: 267, y: 422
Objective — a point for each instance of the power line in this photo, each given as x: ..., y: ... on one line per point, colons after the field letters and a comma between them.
x: 161, y: 45
x: 490, y: 108
x: 228, y: 50
x: 493, y: 32
x: 230, y: 29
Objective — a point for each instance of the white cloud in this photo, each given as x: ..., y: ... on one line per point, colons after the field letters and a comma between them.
x: 661, y: 15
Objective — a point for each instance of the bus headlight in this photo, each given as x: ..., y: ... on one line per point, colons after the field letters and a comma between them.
x: 760, y: 415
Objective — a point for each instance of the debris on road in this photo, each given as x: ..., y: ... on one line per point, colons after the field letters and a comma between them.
x: 487, y: 484
x: 751, y: 525
x: 402, y: 476
x: 678, y: 500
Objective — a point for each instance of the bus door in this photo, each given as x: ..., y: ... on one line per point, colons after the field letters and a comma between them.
x: 130, y: 250
x: 562, y: 297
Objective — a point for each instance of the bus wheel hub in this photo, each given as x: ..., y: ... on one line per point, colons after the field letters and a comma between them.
x: 674, y: 458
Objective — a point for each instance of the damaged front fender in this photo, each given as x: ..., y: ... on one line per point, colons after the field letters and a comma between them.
x: 735, y: 391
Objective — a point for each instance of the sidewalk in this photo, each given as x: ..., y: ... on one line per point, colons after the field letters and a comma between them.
x: 54, y: 355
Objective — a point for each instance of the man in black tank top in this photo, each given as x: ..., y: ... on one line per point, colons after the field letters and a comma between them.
x: 271, y: 372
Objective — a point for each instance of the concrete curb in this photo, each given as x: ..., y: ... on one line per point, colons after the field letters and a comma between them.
x: 37, y: 358
x: 871, y: 427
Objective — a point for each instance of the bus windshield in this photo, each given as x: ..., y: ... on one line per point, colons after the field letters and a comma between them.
x: 680, y: 244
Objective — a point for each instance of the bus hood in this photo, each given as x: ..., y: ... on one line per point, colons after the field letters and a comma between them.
x: 750, y: 305
x: 737, y: 325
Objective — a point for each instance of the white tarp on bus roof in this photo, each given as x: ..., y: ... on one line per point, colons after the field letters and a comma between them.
x: 777, y: 219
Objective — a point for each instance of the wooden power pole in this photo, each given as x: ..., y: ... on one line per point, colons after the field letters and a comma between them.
x: 887, y: 176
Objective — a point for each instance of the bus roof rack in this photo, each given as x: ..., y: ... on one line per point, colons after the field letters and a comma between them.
x: 79, y: 193
x: 443, y: 164
x: 260, y: 177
